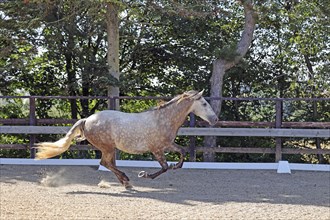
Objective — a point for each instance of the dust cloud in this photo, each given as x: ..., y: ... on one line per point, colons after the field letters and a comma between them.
x: 55, y: 179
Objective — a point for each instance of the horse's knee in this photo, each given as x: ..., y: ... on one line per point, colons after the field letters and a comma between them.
x: 164, y: 167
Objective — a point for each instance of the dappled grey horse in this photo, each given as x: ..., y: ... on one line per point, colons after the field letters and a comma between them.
x: 136, y: 133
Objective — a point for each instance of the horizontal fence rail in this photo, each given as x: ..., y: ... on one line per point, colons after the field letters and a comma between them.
x: 230, y: 132
x: 254, y: 132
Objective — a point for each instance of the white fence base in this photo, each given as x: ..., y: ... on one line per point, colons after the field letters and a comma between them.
x: 281, y: 167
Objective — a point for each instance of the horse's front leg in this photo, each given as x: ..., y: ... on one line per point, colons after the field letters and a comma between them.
x: 162, y: 161
x: 177, y: 148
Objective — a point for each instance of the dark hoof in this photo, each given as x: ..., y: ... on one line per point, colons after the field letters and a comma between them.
x: 127, y: 185
x: 143, y: 174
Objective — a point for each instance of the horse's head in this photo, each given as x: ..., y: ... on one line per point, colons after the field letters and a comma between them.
x: 202, y: 108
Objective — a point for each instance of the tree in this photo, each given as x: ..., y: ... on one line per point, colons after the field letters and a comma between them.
x: 112, y: 21
x: 70, y: 38
x: 221, y: 65
x: 167, y: 47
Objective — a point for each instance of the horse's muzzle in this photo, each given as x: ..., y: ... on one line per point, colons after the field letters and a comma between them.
x: 213, y: 120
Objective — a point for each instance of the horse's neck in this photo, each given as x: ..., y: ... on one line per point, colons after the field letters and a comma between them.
x: 175, y: 114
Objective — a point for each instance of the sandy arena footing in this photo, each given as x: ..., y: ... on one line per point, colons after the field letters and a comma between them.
x: 82, y: 192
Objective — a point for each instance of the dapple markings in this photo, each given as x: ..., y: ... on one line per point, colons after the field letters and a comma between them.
x: 136, y: 133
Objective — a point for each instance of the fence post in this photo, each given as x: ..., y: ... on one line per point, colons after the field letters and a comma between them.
x: 192, y: 139
x: 32, y: 122
x: 317, y: 140
x: 278, y: 124
x: 112, y: 103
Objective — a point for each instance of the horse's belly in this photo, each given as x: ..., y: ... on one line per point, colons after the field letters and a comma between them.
x: 137, y: 148
x: 133, y: 139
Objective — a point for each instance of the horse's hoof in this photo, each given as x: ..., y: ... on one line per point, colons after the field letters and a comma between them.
x: 143, y: 174
x: 171, y: 166
x: 127, y: 185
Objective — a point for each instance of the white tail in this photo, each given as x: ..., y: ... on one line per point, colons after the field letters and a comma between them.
x: 51, y: 149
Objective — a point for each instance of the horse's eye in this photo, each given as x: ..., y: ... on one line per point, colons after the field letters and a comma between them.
x: 204, y: 104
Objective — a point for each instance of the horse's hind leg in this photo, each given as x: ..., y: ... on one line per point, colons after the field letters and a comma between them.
x: 109, y: 161
x: 162, y: 161
x: 177, y: 148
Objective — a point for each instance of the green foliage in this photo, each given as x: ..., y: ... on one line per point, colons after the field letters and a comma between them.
x: 172, y: 52
x: 11, y: 153
x: 14, y: 108
x: 145, y: 156
x: 14, y: 139
x: 136, y: 105
x: 227, y: 52
x: 75, y: 154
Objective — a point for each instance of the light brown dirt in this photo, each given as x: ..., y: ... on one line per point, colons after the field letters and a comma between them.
x: 81, y: 192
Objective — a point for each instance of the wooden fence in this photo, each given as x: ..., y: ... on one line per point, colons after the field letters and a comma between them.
x: 276, y: 129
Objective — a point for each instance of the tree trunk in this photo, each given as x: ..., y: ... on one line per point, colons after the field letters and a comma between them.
x: 220, y: 66
x: 218, y: 73
x: 112, y: 21
x: 85, y: 92
x: 71, y: 73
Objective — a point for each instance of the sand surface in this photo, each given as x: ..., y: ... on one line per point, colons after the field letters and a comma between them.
x: 82, y: 192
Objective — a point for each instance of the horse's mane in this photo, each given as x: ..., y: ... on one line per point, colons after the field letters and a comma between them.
x: 176, y: 99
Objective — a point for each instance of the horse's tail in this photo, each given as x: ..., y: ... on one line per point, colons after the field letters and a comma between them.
x: 51, y: 149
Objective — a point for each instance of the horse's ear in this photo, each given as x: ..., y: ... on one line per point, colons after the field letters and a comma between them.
x: 198, y: 95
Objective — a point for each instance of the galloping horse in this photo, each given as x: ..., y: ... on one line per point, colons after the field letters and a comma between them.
x: 153, y: 130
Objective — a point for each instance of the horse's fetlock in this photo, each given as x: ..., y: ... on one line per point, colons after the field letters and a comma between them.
x: 126, y: 178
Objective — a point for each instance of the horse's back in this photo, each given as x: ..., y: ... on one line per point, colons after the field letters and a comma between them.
x: 112, y: 116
